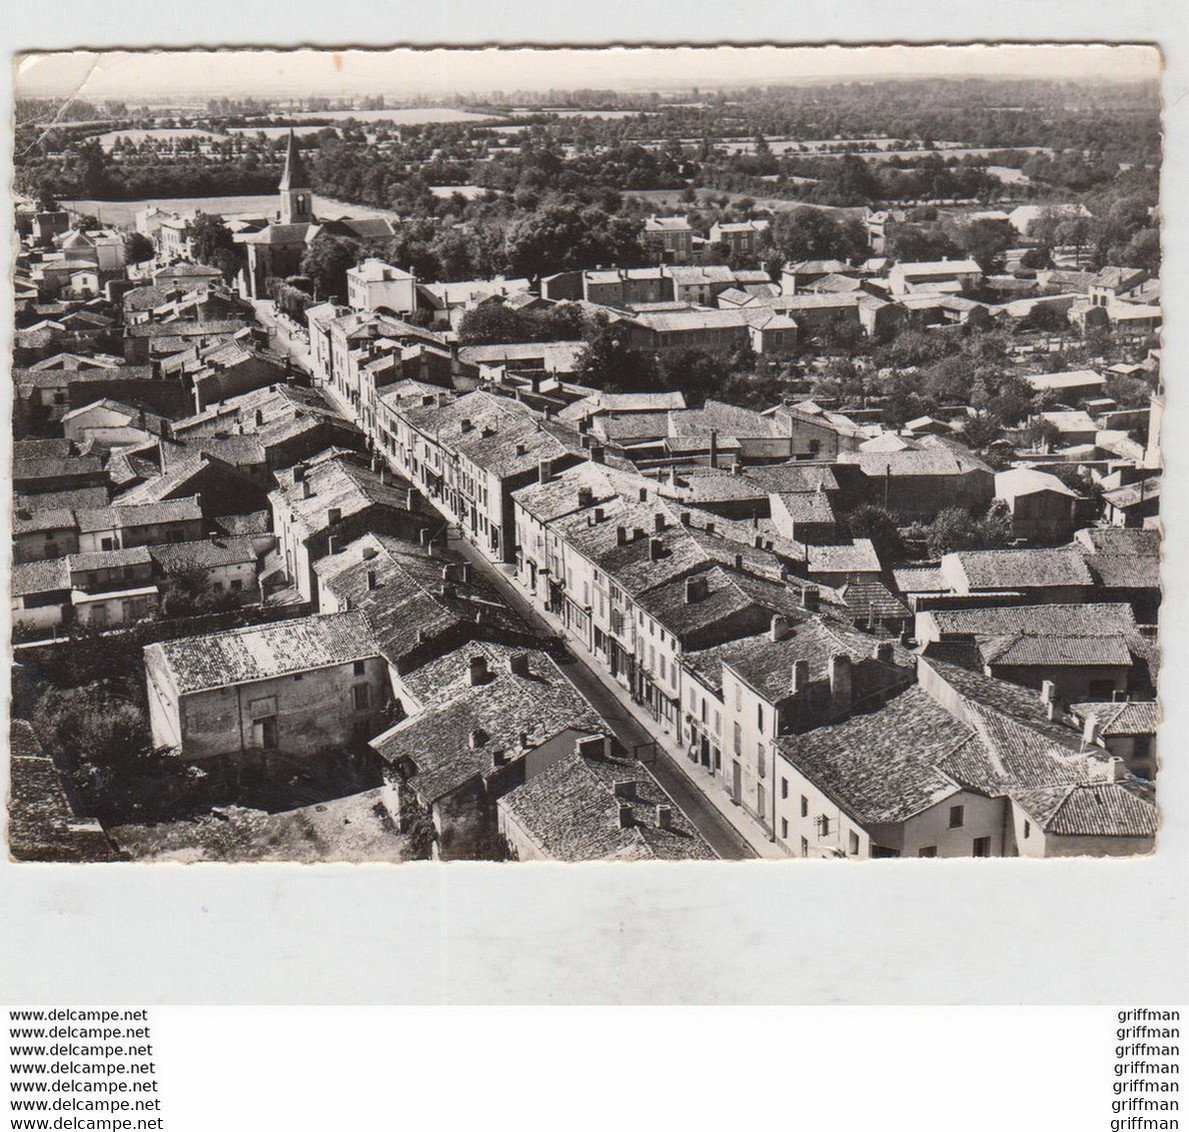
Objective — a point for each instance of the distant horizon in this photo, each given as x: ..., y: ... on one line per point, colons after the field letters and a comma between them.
x: 463, y: 72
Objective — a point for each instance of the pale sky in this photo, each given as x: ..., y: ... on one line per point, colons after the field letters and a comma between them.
x: 402, y: 72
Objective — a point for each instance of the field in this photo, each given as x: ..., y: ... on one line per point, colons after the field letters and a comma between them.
x: 108, y: 141
x: 409, y: 116
x: 122, y: 213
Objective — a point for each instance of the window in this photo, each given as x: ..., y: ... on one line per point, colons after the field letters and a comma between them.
x: 804, y: 847
x: 359, y: 696
x: 982, y: 846
x: 784, y: 787
x: 823, y: 825
x: 761, y: 760
x: 738, y: 739
x: 784, y: 828
x: 853, y: 844
x: 738, y: 697
x: 804, y: 806
x: 957, y: 816
x: 927, y: 851
x: 760, y: 716
x: 1027, y: 830
x: 236, y: 585
x: 298, y: 676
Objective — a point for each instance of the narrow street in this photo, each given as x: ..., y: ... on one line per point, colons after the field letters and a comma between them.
x: 722, y: 837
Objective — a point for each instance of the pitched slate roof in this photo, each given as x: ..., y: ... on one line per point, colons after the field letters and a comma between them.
x: 1059, y: 652
x: 571, y: 812
x: 263, y: 652
x: 338, y: 482
x: 1119, y: 540
x: 858, y: 557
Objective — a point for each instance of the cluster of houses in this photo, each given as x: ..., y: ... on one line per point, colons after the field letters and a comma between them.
x: 836, y: 701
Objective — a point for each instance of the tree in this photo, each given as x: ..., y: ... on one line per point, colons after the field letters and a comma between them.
x: 327, y: 260
x: 956, y: 529
x: 492, y: 323
x: 982, y: 431
x: 985, y: 241
x: 93, y: 729
x: 138, y: 248
x: 880, y: 526
x: 188, y: 593
x: 608, y: 363
x: 812, y: 233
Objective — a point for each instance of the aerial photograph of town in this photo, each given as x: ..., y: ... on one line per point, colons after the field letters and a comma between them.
x: 663, y: 455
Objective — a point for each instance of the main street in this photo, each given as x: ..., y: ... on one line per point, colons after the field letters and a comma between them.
x: 608, y: 701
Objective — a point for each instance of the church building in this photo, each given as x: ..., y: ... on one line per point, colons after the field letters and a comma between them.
x: 275, y: 251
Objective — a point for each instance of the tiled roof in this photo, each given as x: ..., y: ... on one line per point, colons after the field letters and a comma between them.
x: 939, y: 460
x: 42, y: 519
x: 787, y: 478
x: 1120, y: 540
x: 1126, y: 717
x: 919, y: 579
x: 43, y: 824
x: 412, y: 601
x: 121, y: 516
x: 49, y: 501
x: 882, y: 765
x: 1099, y: 809
x: 206, y: 554
x: 1022, y: 569
x: 512, y: 714
x: 869, y: 597
x: 1059, y: 652
x: 40, y: 577
x: 263, y: 652
x: 571, y: 813
x: 1125, y: 571
x: 1026, y: 481
x: 109, y: 559
x: 38, y: 469
x: 1133, y: 494
x: 338, y: 483
x: 1090, y: 619
x: 858, y: 557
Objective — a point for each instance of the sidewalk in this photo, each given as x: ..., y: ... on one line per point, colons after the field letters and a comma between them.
x: 673, y: 756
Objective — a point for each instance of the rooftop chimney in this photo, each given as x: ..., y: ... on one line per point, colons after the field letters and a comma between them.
x: 306, y: 490
x: 664, y: 816
x: 477, y: 671
x: 695, y: 590
x: 759, y: 542
x: 372, y: 581
x: 738, y: 561
x: 498, y: 759
x: 840, y: 683
x: 626, y: 788
x: 714, y: 448
x: 476, y: 739
x: 465, y: 424
x: 333, y: 515
x: 518, y: 664
x: 522, y: 449
x: 544, y: 471
x: 597, y: 453
x: 778, y: 628
x: 643, y: 495
x: 585, y: 498
x: 1090, y: 731
x: 659, y: 522
x: 811, y: 598
x: 883, y: 652
x: 710, y: 528
x: 800, y: 676
x: 369, y: 552
x: 621, y: 536
x: 656, y: 548
x: 625, y: 817
x: 599, y: 514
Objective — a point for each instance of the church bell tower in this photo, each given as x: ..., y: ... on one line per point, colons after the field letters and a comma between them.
x: 296, y: 195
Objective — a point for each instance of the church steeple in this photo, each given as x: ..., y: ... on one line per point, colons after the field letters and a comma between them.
x: 295, y: 191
